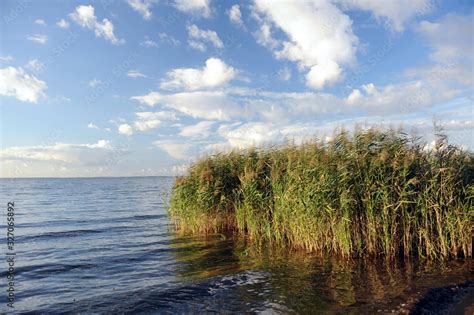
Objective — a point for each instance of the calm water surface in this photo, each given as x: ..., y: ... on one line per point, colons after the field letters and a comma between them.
x: 105, y: 245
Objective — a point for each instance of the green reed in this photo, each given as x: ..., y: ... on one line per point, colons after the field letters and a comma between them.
x: 370, y: 193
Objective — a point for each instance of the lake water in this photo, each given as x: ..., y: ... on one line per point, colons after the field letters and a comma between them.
x: 105, y: 245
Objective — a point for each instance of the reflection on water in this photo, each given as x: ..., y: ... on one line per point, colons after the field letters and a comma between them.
x: 105, y: 245
x: 294, y: 281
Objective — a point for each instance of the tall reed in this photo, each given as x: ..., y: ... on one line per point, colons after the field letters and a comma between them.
x: 370, y: 193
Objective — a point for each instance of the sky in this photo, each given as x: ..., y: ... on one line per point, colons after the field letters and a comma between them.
x: 145, y: 87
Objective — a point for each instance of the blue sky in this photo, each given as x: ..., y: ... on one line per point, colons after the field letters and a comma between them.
x: 143, y: 87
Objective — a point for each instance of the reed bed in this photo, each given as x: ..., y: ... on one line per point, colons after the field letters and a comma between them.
x: 367, y: 193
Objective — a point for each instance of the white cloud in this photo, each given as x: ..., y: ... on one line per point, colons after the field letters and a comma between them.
x: 40, y: 22
x: 284, y: 74
x: 452, y: 52
x: 200, y: 7
x: 146, y: 121
x: 450, y: 38
x: 396, y: 13
x: 60, y: 99
x: 447, y: 73
x: 404, y: 97
x: 64, y: 153
x: 92, y: 126
x: 38, y: 38
x: 177, y: 150
x: 252, y: 134
x: 35, y: 65
x: 63, y: 160
x: 323, y: 74
x: 240, y: 103
x: 354, y: 96
x: 179, y: 170
x: 151, y: 120
x: 94, y: 83
x: 135, y: 74
x: 210, y: 105
x: 143, y: 7
x: 319, y: 37
x: 198, y: 37
x: 62, y: 23
x: 215, y: 73
x: 168, y: 39
x: 264, y: 36
x: 84, y: 16
x: 6, y: 58
x: 266, y: 133
x: 125, y: 129
x: 15, y: 82
x: 148, y: 43
x: 235, y: 15
x: 201, y: 129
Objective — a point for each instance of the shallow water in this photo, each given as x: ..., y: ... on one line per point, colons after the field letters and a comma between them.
x: 105, y: 245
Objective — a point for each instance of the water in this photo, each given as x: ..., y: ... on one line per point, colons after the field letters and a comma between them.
x: 105, y: 245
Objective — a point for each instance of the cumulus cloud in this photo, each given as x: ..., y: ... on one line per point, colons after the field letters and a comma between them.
x: 35, y: 65
x: 215, y: 73
x: 125, y: 129
x: 62, y: 23
x: 201, y: 129
x: 83, y: 154
x: 135, y: 74
x: 198, y: 7
x: 405, y: 97
x: 166, y: 38
x: 177, y: 150
x: 396, y: 14
x: 235, y: 16
x: 17, y: 83
x: 84, y: 16
x: 323, y: 74
x: 6, y: 58
x: 197, y: 38
x: 151, y: 120
x: 209, y: 105
x: 319, y: 37
x: 252, y: 134
x: 38, y: 38
x: 62, y: 159
x: 450, y: 38
x: 146, y: 121
x: 258, y: 134
x: 143, y: 7
x: 92, y: 126
x: 452, y: 51
x: 40, y: 22
x: 248, y: 104
x: 179, y: 170
x: 94, y: 83
x: 284, y: 74
x: 148, y: 43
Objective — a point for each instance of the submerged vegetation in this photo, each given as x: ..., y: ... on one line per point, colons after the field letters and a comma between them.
x: 372, y: 193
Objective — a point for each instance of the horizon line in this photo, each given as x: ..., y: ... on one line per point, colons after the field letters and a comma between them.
x: 89, y: 177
